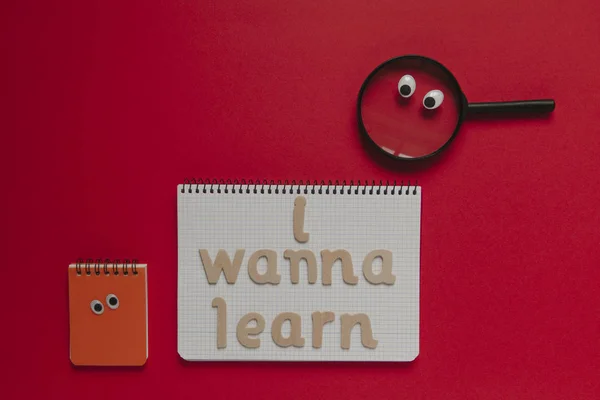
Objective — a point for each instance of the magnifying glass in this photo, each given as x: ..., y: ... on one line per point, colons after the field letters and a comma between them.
x: 412, y: 107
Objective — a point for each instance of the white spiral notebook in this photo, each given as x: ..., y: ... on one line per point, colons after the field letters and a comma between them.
x: 298, y: 272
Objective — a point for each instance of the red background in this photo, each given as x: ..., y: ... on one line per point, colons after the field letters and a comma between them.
x: 109, y: 104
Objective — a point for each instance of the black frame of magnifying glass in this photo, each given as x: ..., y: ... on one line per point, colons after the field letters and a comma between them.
x: 453, y: 82
x: 536, y: 106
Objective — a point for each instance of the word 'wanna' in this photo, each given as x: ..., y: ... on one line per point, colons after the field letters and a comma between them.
x: 231, y: 269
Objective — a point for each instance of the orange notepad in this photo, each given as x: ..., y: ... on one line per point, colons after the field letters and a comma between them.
x: 108, y: 309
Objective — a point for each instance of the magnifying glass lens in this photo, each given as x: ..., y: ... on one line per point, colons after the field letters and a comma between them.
x: 416, y: 125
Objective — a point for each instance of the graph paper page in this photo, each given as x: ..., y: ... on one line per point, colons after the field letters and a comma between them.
x: 353, y: 222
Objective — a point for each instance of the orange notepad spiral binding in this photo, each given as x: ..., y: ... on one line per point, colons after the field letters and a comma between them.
x: 108, y: 313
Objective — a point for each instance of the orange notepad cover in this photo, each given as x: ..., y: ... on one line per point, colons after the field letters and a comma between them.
x: 108, y: 316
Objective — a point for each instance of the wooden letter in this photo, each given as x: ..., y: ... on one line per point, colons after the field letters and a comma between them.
x: 366, y: 334
x: 385, y: 276
x: 222, y: 263
x: 271, y: 276
x: 221, y: 307
x: 299, y: 234
x: 295, y: 339
x: 329, y: 258
x: 319, y: 319
x: 295, y: 256
x: 243, y: 331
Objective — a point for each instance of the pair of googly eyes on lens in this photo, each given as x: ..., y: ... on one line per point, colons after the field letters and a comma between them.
x: 407, y: 86
x: 111, y: 300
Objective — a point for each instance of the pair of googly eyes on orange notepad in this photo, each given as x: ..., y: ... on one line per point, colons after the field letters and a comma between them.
x: 111, y: 300
x: 407, y: 86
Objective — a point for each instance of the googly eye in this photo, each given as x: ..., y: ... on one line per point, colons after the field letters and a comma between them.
x: 97, y: 307
x: 433, y: 99
x: 112, y: 301
x: 407, y: 86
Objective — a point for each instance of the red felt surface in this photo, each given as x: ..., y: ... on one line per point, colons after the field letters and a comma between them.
x: 107, y: 105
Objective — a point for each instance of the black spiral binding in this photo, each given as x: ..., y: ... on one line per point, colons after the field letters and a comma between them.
x: 91, y: 267
x: 271, y: 187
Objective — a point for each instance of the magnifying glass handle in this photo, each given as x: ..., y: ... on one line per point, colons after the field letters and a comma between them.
x: 527, y: 106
